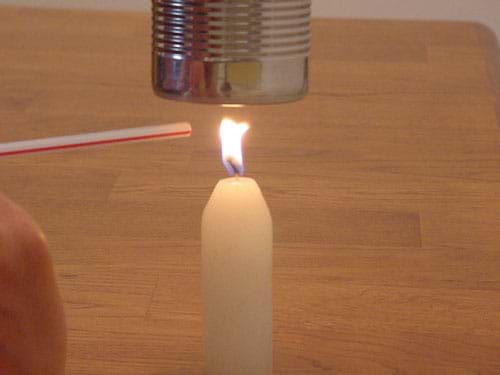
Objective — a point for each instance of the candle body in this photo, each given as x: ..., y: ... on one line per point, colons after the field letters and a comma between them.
x: 237, y: 280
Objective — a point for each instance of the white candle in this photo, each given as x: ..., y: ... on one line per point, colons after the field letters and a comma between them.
x: 237, y: 270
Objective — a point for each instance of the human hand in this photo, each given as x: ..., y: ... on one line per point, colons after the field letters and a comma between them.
x: 32, y: 327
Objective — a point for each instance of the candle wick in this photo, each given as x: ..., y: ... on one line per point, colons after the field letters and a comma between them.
x: 233, y: 167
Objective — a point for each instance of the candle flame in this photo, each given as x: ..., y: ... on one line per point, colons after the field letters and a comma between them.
x: 231, y: 134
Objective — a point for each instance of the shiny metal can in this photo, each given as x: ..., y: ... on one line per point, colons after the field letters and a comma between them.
x: 231, y: 51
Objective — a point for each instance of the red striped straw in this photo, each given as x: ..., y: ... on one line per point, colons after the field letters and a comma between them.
x: 70, y: 142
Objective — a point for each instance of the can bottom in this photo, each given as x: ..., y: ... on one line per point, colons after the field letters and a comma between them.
x: 262, y: 81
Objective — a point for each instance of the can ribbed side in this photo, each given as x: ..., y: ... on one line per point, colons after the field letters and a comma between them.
x: 219, y: 30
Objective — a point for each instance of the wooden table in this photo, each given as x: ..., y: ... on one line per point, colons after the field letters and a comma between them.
x: 383, y: 184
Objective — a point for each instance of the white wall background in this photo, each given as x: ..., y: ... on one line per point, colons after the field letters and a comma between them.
x: 484, y: 11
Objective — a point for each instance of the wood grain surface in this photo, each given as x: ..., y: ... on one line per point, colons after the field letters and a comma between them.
x: 384, y: 185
